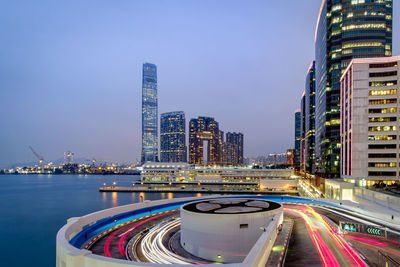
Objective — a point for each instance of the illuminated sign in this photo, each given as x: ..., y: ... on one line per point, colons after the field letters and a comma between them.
x: 373, y: 231
x: 351, y: 227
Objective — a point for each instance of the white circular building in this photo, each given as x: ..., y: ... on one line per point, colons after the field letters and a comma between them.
x: 225, y: 230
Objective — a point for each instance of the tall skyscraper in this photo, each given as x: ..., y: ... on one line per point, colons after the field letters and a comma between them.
x: 297, y: 138
x: 370, y: 121
x: 149, y: 114
x: 234, y: 149
x: 302, y: 162
x: 309, y: 131
x: 173, y: 137
x: 345, y: 30
x: 204, y: 142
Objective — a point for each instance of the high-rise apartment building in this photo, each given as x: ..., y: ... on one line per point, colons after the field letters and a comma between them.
x: 346, y: 29
x: 370, y: 115
x: 149, y: 114
x: 173, y: 137
x: 234, y: 149
x: 297, y: 138
x: 204, y: 142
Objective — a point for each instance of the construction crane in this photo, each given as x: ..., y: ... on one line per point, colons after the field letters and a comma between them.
x: 40, y: 158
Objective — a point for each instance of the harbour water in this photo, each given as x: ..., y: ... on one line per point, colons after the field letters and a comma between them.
x: 34, y: 207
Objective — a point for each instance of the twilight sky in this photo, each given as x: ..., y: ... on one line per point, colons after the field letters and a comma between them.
x: 70, y: 71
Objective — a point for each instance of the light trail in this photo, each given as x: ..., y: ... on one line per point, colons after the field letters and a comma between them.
x: 374, y: 237
x: 123, y: 236
x: 107, y: 244
x: 122, y: 239
x: 346, y: 249
x: 326, y: 255
x: 154, y: 250
x: 367, y: 241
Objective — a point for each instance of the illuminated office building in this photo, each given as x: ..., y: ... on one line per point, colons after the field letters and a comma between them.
x: 172, y: 137
x: 370, y: 116
x: 346, y: 29
x: 302, y: 161
x: 307, y: 153
x: 149, y: 114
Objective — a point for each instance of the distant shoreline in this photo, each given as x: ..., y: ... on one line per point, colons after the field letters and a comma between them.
x: 136, y: 174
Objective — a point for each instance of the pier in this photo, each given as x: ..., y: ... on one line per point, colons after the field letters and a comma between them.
x: 197, y: 190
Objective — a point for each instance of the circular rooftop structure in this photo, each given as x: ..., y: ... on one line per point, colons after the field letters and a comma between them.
x: 224, y: 230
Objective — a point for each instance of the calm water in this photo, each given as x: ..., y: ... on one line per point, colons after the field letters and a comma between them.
x: 34, y: 207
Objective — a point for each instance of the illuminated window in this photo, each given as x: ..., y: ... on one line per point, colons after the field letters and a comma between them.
x: 383, y: 110
x: 383, y: 92
x: 364, y: 26
x: 382, y: 128
x: 382, y: 101
x: 381, y: 84
x: 382, y: 164
x: 385, y: 119
x: 381, y: 137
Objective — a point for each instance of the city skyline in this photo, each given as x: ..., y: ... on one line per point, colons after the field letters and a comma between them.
x: 88, y: 101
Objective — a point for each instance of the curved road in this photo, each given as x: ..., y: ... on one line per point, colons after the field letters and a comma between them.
x: 314, y: 241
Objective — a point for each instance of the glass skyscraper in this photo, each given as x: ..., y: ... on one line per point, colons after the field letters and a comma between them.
x: 346, y: 29
x: 173, y: 137
x: 149, y: 114
x: 297, y: 138
x: 309, y: 132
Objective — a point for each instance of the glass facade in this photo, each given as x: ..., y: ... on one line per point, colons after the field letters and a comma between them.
x: 234, y: 149
x: 173, y: 137
x: 149, y: 114
x: 310, y: 120
x: 297, y: 138
x: 345, y: 30
x: 303, y: 132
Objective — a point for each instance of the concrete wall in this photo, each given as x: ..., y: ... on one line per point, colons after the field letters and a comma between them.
x: 370, y: 197
x: 259, y: 254
x: 208, y: 235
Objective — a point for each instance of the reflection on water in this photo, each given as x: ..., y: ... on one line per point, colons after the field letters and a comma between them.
x: 198, y: 195
x: 114, y: 199
x: 141, y: 197
x: 104, y: 197
x: 170, y: 195
x: 133, y: 197
x: 162, y: 195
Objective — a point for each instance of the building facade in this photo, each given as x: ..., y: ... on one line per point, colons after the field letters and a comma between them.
x: 345, y: 30
x: 309, y: 121
x: 290, y: 157
x: 234, y: 149
x: 297, y: 138
x: 204, y: 142
x: 173, y: 137
x: 370, y: 115
x: 302, y: 132
x: 149, y: 114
